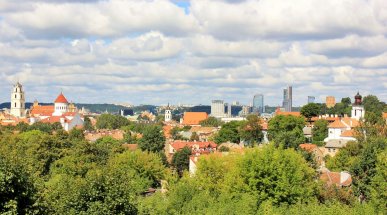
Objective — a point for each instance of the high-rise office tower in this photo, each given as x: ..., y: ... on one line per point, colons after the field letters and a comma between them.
x: 311, y: 99
x: 258, y: 104
x: 217, y: 108
x: 287, y: 99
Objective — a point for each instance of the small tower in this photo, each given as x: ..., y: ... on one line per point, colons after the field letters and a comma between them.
x: 61, y: 105
x: 168, y: 114
x: 357, y: 108
x: 18, y: 108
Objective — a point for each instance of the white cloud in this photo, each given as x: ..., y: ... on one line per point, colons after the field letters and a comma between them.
x: 152, y: 51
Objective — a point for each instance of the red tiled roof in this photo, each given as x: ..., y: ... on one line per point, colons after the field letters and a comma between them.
x: 329, y: 119
x: 289, y: 113
x: 194, y: 118
x: 347, y: 133
x: 279, y: 112
x: 336, y: 178
x: 61, y: 99
x: 177, y: 145
x: 385, y: 115
x: 42, y: 110
x: 337, y: 124
x: 350, y: 122
x: 308, y: 147
x: 52, y: 119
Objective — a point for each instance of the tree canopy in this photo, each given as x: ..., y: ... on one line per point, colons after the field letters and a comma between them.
x: 286, y: 131
x: 153, y: 139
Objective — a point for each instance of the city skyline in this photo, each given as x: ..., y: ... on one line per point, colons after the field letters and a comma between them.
x: 155, y: 52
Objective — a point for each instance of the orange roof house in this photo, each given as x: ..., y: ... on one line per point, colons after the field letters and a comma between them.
x: 194, y: 118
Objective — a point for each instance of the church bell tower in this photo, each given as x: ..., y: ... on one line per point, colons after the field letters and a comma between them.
x: 18, y: 108
x: 358, y: 108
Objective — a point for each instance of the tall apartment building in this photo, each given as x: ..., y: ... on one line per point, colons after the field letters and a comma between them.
x: 217, y: 108
x: 288, y: 99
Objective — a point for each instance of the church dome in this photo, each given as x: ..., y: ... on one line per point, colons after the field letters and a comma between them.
x: 358, y: 99
x: 61, y: 99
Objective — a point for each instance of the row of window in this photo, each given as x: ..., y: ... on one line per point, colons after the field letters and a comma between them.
x: 22, y: 105
x: 61, y: 108
x: 21, y: 96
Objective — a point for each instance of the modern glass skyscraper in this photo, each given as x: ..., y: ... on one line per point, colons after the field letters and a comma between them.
x: 288, y: 97
x: 311, y: 99
x: 258, y: 104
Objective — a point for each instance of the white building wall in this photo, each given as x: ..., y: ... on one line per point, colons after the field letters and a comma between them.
x: 168, y: 115
x: 60, y: 109
x: 334, y: 133
x: 357, y: 112
x: 18, y: 101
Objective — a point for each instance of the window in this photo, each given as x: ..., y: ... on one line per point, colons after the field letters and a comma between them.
x: 15, y: 104
x: 15, y: 96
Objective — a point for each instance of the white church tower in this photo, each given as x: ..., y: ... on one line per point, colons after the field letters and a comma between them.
x: 18, y: 101
x: 61, y: 105
x: 168, y: 114
x: 357, y: 108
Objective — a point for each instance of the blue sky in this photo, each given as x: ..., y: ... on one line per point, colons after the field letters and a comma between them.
x: 155, y: 52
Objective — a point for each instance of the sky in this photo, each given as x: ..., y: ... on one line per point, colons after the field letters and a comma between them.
x: 191, y: 52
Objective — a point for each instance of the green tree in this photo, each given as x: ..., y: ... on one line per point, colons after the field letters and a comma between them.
x: 228, y: 132
x: 17, y: 192
x: 251, y: 130
x: 372, y: 104
x: 194, y: 136
x: 153, y: 139
x: 76, y: 134
x: 364, y: 169
x: 109, y: 121
x: 310, y: 110
x: 320, y: 131
x: 211, y: 122
x: 379, y: 181
x: 278, y: 175
x: 22, y: 127
x: 180, y: 160
x: 346, y: 101
x: 87, y: 124
x: 286, y: 131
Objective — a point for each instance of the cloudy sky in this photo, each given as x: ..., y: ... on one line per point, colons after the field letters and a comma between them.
x: 160, y: 51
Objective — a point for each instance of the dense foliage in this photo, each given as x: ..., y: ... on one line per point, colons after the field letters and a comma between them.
x: 109, y: 121
x: 249, y: 131
x: 286, y: 131
x: 211, y: 122
x: 45, y: 170
x: 320, y: 131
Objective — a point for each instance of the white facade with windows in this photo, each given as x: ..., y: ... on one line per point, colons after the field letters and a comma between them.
x: 18, y: 108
